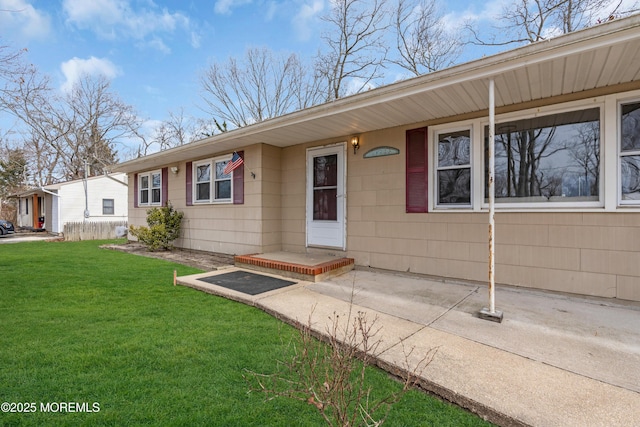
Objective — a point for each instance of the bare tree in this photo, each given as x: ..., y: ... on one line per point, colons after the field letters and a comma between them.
x: 528, y: 21
x: 11, y: 65
x: 585, y: 151
x: 423, y: 42
x: 356, y: 47
x: 29, y: 99
x: 261, y: 86
x: 93, y: 121
x: 65, y: 133
x: 521, y: 173
x: 178, y: 129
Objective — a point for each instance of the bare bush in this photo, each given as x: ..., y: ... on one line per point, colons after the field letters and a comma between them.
x: 332, y: 377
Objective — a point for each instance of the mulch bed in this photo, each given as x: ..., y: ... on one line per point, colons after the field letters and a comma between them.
x: 208, y: 261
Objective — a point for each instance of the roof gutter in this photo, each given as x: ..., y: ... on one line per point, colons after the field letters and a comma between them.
x: 44, y: 190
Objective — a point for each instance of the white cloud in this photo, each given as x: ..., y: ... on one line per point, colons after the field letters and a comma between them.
x: 223, y: 7
x: 75, y: 68
x: 23, y: 22
x: 195, y: 40
x: 303, y: 21
x: 115, y: 19
x: 155, y: 43
x: 356, y: 85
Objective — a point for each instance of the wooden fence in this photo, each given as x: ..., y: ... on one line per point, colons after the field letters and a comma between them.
x: 95, y: 230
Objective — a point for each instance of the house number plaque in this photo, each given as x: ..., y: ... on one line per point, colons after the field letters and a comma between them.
x: 381, y: 151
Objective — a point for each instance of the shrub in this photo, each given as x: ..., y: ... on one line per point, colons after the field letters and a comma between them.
x: 332, y: 377
x: 163, y: 228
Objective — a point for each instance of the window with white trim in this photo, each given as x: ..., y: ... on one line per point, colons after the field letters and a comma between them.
x: 150, y: 188
x: 547, y: 159
x: 212, y: 185
x: 630, y: 153
x: 453, y: 169
x: 108, y: 207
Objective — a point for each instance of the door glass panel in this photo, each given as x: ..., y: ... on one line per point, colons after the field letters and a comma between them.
x: 325, y: 171
x: 325, y: 188
x: 325, y: 206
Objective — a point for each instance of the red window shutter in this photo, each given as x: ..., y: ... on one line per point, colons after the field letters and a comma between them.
x: 189, y: 184
x: 135, y: 190
x: 165, y: 186
x: 417, y: 171
x: 238, y: 182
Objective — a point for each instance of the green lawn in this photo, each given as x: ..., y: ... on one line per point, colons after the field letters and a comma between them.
x: 93, y: 326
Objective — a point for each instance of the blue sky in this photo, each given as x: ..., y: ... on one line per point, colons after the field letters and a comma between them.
x: 154, y: 50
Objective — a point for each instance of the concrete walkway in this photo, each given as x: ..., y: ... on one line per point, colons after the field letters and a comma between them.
x: 555, y: 360
x: 26, y: 237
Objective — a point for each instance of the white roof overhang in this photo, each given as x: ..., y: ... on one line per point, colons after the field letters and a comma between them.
x: 598, y: 57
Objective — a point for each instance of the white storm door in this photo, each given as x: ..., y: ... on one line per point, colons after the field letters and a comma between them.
x: 326, y: 197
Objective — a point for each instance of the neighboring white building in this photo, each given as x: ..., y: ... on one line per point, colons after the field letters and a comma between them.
x: 103, y: 200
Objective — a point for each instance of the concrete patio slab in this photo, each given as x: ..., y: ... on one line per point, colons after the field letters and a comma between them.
x: 555, y: 360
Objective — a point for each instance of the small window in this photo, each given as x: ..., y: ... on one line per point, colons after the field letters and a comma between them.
x: 108, y: 207
x: 211, y: 183
x: 630, y: 154
x: 203, y: 182
x: 150, y: 188
x: 156, y: 187
x: 453, y: 170
x: 223, y: 181
x: 144, y: 190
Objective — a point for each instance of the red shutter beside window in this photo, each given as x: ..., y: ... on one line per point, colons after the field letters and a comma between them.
x: 135, y: 190
x: 165, y: 186
x: 417, y: 171
x: 188, y: 184
x: 238, y: 182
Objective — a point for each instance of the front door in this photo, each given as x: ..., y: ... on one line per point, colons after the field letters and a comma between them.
x: 326, y: 197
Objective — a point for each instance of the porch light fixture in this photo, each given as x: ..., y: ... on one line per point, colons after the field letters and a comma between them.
x: 174, y: 170
x: 355, y: 143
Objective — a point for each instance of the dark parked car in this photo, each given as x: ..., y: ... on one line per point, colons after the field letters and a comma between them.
x: 6, y: 227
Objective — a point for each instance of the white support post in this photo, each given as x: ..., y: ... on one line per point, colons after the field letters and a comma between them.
x: 491, y: 313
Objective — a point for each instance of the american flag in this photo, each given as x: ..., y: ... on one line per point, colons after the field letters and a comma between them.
x: 235, y: 161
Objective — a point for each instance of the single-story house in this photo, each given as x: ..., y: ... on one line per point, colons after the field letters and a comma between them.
x: 100, y: 198
x: 396, y: 177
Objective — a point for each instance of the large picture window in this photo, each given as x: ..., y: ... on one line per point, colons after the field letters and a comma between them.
x: 211, y: 183
x: 150, y: 188
x: 630, y: 153
x: 554, y: 158
x: 453, y: 171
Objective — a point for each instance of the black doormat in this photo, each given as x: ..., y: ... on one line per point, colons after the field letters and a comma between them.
x: 245, y: 282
